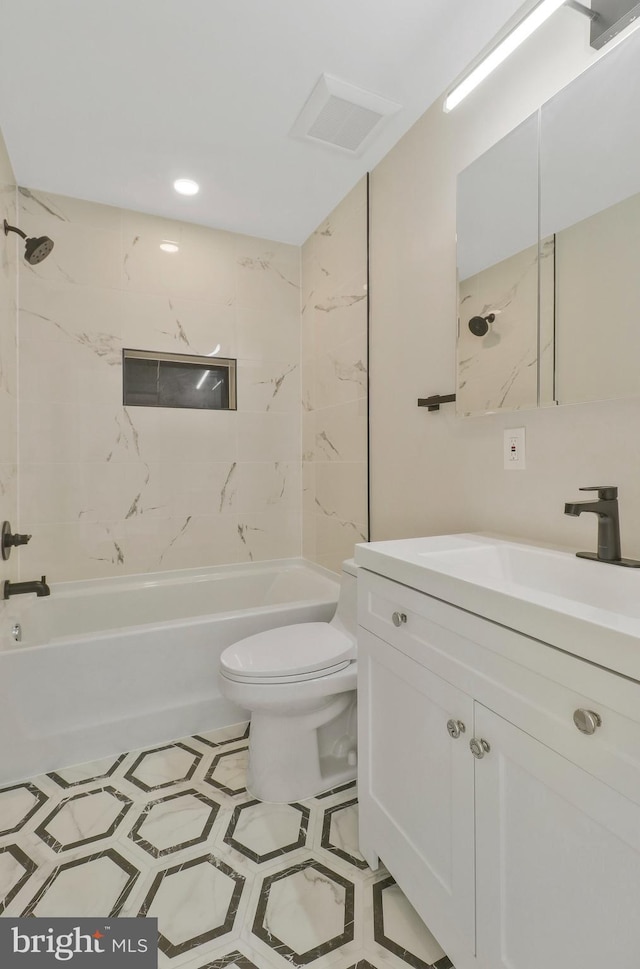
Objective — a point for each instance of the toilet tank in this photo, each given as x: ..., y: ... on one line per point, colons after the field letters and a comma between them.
x: 346, y: 615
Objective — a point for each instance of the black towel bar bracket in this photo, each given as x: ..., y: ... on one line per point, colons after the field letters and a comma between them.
x: 433, y: 402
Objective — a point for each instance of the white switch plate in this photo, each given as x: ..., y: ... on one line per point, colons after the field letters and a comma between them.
x: 514, y: 449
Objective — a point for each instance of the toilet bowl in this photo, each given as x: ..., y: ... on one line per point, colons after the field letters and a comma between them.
x: 299, y: 682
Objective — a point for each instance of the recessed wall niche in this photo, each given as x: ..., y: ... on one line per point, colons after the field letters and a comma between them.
x: 151, y: 379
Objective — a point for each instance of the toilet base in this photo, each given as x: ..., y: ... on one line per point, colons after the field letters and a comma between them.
x: 292, y: 758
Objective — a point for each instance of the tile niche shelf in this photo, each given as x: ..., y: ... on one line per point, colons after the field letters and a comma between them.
x: 151, y: 379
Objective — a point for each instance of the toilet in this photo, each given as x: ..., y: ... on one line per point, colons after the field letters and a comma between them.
x: 299, y: 682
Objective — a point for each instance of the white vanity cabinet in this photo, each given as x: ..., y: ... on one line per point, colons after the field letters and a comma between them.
x: 527, y: 854
x: 418, y: 782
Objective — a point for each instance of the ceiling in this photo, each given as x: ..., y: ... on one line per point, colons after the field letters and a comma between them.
x: 111, y: 101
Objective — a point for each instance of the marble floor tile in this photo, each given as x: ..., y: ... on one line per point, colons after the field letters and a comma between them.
x: 226, y: 735
x: 238, y: 955
x: 228, y: 771
x: 398, y: 927
x: 15, y: 869
x: 96, y: 770
x: 174, y: 822
x: 84, y: 818
x: 194, y: 902
x: 96, y: 884
x: 163, y: 767
x: 265, y: 831
x: 305, y: 912
x: 340, y: 832
x: 172, y: 833
x: 17, y: 805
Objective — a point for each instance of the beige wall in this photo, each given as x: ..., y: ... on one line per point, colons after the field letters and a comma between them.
x: 334, y: 383
x: 433, y: 473
x: 108, y: 490
x: 8, y: 362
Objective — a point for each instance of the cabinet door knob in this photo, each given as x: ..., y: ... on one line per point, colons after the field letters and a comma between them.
x: 455, y: 728
x: 587, y: 721
x: 398, y: 618
x: 479, y: 747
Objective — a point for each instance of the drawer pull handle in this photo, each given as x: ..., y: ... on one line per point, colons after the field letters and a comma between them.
x: 455, y: 728
x: 479, y: 747
x: 587, y: 721
x: 398, y: 618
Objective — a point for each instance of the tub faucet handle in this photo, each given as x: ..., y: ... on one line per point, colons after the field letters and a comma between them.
x: 9, y: 541
x: 19, y: 539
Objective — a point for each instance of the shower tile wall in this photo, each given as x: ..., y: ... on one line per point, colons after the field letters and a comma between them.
x: 109, y: 490
x: 499, y: 370
x: 8, y: 358
x: 334, y: 383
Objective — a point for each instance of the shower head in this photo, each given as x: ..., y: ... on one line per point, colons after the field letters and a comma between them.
x: 479, y: 325
x: 35, y: 249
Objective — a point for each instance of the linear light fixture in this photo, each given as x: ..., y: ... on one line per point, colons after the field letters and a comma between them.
x: 495, y: 57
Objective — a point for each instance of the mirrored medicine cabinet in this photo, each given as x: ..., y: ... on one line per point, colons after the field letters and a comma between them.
x: 548, y: 224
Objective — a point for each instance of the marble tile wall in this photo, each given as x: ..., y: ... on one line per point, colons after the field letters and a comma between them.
x: 499, y: 371
x: 8, y: 359
x: 334, y: 383
x: 111, y: 490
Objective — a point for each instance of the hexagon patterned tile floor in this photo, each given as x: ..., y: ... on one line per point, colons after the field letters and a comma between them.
x: 172, y: 833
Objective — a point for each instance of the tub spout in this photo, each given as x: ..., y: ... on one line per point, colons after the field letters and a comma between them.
x: 40, y: 588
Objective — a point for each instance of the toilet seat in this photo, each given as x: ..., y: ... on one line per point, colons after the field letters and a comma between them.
x: 303, y: 651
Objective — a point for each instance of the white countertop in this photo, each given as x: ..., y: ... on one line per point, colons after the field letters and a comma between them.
x: 587, y: 608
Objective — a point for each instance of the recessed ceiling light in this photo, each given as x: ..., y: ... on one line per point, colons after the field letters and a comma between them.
x: 168, y: 246
x: 186, y: 186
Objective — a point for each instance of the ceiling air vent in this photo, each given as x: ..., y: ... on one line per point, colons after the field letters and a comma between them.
x: 341, y: 115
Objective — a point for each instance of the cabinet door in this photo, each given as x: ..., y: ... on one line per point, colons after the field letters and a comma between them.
x: 416, y: 787
x: 558, y: 859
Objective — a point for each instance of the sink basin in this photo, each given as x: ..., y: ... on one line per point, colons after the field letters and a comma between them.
x: 541, y: 571
x: 584, y: 607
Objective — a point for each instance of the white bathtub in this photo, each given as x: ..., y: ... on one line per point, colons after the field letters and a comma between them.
x: 108, y: 665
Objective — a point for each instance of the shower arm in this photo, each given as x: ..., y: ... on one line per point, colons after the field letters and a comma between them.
x: 12, y: 228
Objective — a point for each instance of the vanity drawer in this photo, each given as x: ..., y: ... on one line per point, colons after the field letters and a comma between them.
x: 533, y: 685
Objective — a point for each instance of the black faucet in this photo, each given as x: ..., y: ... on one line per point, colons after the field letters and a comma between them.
x: 40, y: 588
x: 606, y: 508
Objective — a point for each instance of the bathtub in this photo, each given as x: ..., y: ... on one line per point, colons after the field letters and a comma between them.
x: 109, y: 665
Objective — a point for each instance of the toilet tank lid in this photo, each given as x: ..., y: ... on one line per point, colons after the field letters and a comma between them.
x: 288, y: 650
x: 349, y: 565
